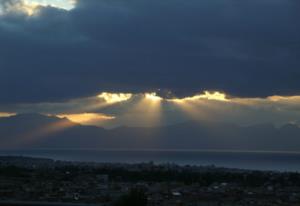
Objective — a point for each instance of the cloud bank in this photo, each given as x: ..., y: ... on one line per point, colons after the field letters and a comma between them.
x: 245, y: 49
x: 149, y: 110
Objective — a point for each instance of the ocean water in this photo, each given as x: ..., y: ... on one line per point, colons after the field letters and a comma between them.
x: 277, y: 161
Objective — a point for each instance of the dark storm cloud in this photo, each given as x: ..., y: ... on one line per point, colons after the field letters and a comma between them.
x: 247, y: 48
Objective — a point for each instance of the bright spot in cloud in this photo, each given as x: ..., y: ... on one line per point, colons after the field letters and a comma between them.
x: 218, y: 96
x: 30, y: 7
x: 152, y: 96
x: 87, y: 118
x: 62, y: 4
x: 112, y: 98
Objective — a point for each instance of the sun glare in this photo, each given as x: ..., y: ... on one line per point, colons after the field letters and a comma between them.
x: 112, y: 98
x: 62, y: 4
x: 29, y: 9
x: 218, y: 96
x: 152, y: 96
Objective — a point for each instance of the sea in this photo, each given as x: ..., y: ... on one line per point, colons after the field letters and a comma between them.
x: 266, y: 161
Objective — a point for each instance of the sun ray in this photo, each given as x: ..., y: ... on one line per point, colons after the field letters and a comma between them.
x: 191, y: 109
x: 153, y: 105
x: 147, y: 109
x: 33, y: 136
x: 197, y: 107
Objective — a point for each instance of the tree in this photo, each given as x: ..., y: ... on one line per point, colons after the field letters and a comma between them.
x: 135, y: 197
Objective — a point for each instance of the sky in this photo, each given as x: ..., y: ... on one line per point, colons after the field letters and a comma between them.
x: 151, y: 63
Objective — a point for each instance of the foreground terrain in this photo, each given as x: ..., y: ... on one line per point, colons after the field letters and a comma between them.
x: 27, y: 180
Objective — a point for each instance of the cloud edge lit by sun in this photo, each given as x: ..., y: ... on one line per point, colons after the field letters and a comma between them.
x: 31, y: 7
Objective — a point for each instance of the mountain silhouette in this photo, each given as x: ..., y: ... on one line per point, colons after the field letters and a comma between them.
x: 31, y: 131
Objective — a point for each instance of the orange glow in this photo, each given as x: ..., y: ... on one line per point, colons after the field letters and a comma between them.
x: 51, y: 128
x: 274, y: 100
x: 284, y: 98
x: 112, y: 98
x: 7, y: 114
x: 86, y: 118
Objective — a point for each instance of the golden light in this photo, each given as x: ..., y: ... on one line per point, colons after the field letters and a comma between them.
x: 275, y: 100
x: 112, y: 98
x: 29, y: 9
x: 151, y: 107
x: 86, y: 118
x: 7, y: 114
x: 145, y: 111
x: 25, y: 7
x: 289, y: 99
x: 196, y: 107
x: 214, y: 96
x: 218, y: 96
x: 153, y: 96
x: 42, y: 132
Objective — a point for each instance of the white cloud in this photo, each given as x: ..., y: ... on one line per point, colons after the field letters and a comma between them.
x: 30, y: 7
x: 63, y: 4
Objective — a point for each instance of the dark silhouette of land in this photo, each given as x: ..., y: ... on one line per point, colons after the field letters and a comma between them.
x: 38, y: 131
x: 32, y: 181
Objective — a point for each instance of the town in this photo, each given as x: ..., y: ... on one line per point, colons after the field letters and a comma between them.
x: 37, y: 180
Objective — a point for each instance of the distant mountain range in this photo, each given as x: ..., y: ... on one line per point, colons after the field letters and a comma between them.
x: 29, y: 131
